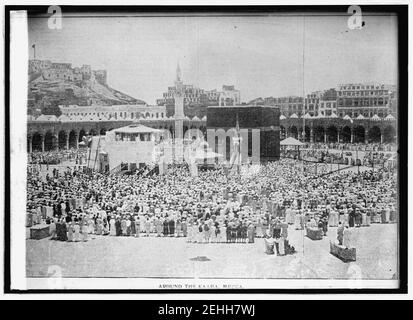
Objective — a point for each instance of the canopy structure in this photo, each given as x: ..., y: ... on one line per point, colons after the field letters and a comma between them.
x: 136, y: 128
x: 282, y: 117
x: 47, y: 117
x: 390, y: 117
x: 291, y: 142
x: 294, y: 116
x: 375, y: 117
x: 63, y: 118
x: 333, y: 115
x: 201, y: 155
x: 360, y: 117
x: 347, y: 117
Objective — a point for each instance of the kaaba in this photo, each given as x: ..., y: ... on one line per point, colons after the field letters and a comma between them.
x: 264, y: 118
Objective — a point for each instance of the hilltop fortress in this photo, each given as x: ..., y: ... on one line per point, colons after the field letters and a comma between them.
x: 64, y: 71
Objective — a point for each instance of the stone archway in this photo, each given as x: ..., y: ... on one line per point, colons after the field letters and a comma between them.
x: 345, y: 135
x: 82, y: 134
x: 37, y: 142
x: 203, y: 130
x: 62, y: 136
x: 318, y: 134
x: 185, y: 129
x: 294, y: 132
x: 72, y: 139
x: 374, y: 135
x: 389, y: 134
x: 359, y: 134
x: 332, y: 134
x: 49, y: 141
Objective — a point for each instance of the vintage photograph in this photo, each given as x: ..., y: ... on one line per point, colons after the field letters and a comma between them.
x: 221, y: 150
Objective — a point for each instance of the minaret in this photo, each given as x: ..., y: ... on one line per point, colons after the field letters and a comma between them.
x: 179, y: 107
x: 179, y: 94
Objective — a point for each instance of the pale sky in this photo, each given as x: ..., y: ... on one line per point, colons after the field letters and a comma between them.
x: 262, y: 56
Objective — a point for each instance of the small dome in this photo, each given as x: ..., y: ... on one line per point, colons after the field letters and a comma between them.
x: 47, y: 117
x: 63, y: 118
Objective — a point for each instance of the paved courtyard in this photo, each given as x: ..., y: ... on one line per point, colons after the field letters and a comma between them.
x: 105, y: 256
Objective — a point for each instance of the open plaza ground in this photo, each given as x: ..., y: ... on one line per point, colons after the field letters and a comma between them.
x: 152, y: 257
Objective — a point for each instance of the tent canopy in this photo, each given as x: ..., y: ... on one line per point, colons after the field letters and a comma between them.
x: 291, y: 142
x: 200, y: 155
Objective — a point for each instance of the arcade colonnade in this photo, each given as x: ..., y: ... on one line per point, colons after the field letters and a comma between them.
x: 47, y: 135
x: 339, y: 130
x: 54, y: 135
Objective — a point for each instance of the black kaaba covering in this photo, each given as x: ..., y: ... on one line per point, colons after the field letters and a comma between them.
x: 265, y: 118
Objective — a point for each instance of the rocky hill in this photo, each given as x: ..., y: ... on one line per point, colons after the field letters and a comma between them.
x: 80, y: 92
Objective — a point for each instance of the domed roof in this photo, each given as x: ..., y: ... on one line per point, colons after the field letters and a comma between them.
x: 63, y: 118
x: 47, y: 117
x: 390, y: 117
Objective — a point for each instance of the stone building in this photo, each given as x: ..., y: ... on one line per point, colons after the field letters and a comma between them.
x: 288, y: 105
x: 115, y: 112
x: 366, y: 99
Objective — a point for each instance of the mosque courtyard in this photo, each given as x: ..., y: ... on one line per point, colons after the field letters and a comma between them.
x: 152, y: 257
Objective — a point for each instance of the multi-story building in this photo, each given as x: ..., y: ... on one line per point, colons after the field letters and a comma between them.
x: 197, y: 96
x: 327, y: 104
x: 312, y: 103
x: 366, y: 99
x: 114, y: 112
x: 229, y: 96
x: 288, y: 105
x: 38, y: 65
